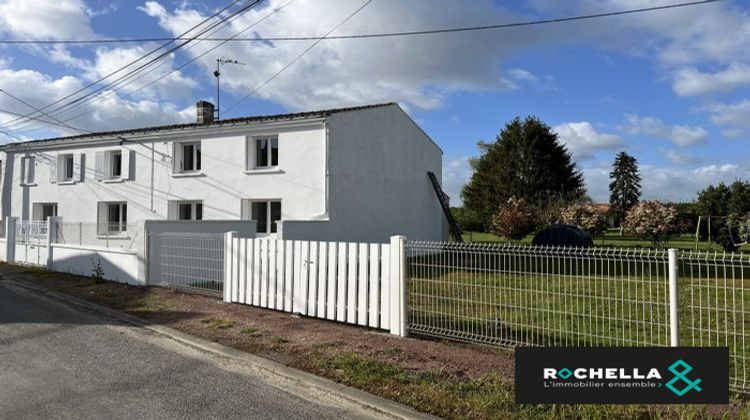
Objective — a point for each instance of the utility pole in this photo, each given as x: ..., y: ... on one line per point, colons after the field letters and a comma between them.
x: 217, y: 74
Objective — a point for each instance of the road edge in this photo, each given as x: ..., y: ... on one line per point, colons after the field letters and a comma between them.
x: 353, y: 395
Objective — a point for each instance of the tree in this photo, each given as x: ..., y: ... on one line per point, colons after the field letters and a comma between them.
x: 625, y: 188
x: 467, y: 219
x: 526, y: 161
x: 514, y: 220
x: 588, y: 217
x: 727, y: 207
x: 654, y: 221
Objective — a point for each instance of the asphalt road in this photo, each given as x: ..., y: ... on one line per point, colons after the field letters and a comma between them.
x: 58, y: 361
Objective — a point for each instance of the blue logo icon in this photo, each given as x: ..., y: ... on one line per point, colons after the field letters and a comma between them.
x: 564, y: 373
x: 680, y: 370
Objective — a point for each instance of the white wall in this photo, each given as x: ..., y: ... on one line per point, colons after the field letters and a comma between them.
x: 378, y: 177
x: 118, y: 265
x: 222, y: 184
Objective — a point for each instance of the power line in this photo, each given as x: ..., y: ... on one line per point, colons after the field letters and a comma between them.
x: 141, y: 67
x: 119, y: 85
x: 299, y: 56
x: 80, y: 130
x: 376, y: 35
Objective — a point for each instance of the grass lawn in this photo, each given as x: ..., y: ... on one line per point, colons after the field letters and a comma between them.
x: 612, y: 239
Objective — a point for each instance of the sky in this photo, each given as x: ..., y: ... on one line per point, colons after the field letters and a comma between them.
x: 672, y: 88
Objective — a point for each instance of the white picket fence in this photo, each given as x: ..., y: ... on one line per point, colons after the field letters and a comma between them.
x: 355, y: 283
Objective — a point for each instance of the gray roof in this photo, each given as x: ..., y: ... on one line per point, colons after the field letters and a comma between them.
x: 232, y: 121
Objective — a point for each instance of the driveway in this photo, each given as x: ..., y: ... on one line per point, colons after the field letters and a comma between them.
x: 60, y: 361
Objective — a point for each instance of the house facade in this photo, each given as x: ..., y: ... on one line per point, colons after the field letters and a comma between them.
x: 349, y: 174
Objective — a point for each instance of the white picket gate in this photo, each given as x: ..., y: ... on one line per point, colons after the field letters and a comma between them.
x: 354, y: 283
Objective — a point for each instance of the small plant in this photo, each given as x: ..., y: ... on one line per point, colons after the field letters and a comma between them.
x: 97, y: 272
x: 514, y: 220
x: 254, y: 332
x: 654, y: 221
x: 279, y: 340
x: 219, y: 324
x: 587, y: 217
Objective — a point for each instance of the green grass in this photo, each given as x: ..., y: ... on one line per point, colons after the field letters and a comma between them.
x: 611, y: 239
x: 554, y: 302
x: 219, y: 324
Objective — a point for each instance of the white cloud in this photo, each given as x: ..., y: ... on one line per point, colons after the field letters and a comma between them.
x: 733, y: 133
x: 583, y: 140
x: 419, y: 71
x: 733, y: 114
x: 456, y: 173
x: 682, y: 135
x: 679, y: 158
x: 105, y: 112
x: 523, y: 75
x: 690, y: 81
x: 44, y: 19
x: 667, y: 184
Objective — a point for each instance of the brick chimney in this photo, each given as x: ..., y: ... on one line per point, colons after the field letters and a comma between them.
x: 205, y: 112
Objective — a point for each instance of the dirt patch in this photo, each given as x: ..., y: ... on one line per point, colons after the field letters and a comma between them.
x: 443, y: 378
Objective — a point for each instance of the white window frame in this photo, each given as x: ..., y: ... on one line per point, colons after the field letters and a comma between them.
x: 111, y: 157
x: 176, y: 207
x: 37, y: 210
x: 179, y: 156
x: 247, y: 213
x: 251, y: 153
x: 66, y: 159
x: 105, y: 226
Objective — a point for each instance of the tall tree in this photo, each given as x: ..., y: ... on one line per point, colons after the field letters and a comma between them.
x: 526, y: 161
x: 625, y: 188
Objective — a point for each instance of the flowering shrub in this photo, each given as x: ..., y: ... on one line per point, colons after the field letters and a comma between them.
x: 654, y: 221
x: 514, y: 220
x: 588, y: 217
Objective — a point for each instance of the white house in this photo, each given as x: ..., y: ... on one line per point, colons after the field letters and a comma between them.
x: 349, y: 174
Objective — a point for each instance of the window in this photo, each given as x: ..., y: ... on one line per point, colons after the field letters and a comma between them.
x: 41, y: 211
x: 186, y: 210
x: 115, y: 165
x: 113, y: 218
x: 27, y: 170
x: 66, y: 167
x: 265, y: 152
x: 264, y: 213
x: 188, y: 157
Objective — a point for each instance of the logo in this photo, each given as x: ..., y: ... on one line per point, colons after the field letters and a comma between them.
x: 654, y: 375
x: 679, y: 376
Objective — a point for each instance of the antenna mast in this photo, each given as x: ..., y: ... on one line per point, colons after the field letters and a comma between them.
x: 217, y: 74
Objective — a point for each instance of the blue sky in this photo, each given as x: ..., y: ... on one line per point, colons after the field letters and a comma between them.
x: 670, y: 87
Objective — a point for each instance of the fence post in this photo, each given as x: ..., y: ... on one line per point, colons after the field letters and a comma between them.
x: 674, y: 327
x: 52, y: 225
x: 228, y: 259
x: 10, y: 239
x: 398, y: 295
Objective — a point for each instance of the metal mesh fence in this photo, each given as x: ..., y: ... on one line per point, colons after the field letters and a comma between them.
x: 518, y: 295
x: 101, y: 235
x: 191, y: 261
x: 714, y: 300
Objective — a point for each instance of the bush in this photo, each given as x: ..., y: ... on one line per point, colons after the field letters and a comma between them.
x: 654, y: 221
x: 514, y: 220
x: 588, y: 217
x: 467, y: 219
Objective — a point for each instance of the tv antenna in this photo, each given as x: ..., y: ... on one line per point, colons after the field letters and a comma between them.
x: 217, y: 74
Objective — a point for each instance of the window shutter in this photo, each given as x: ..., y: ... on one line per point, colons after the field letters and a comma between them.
x: 99, y: 166
x: 172, y: 210
x: 30, y: 171
x: 101, y: 218
x: 125, y: 164
x: 177, y: 157
x: 107, y: 168
x: 78, y: 167
x: 54, y: 170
